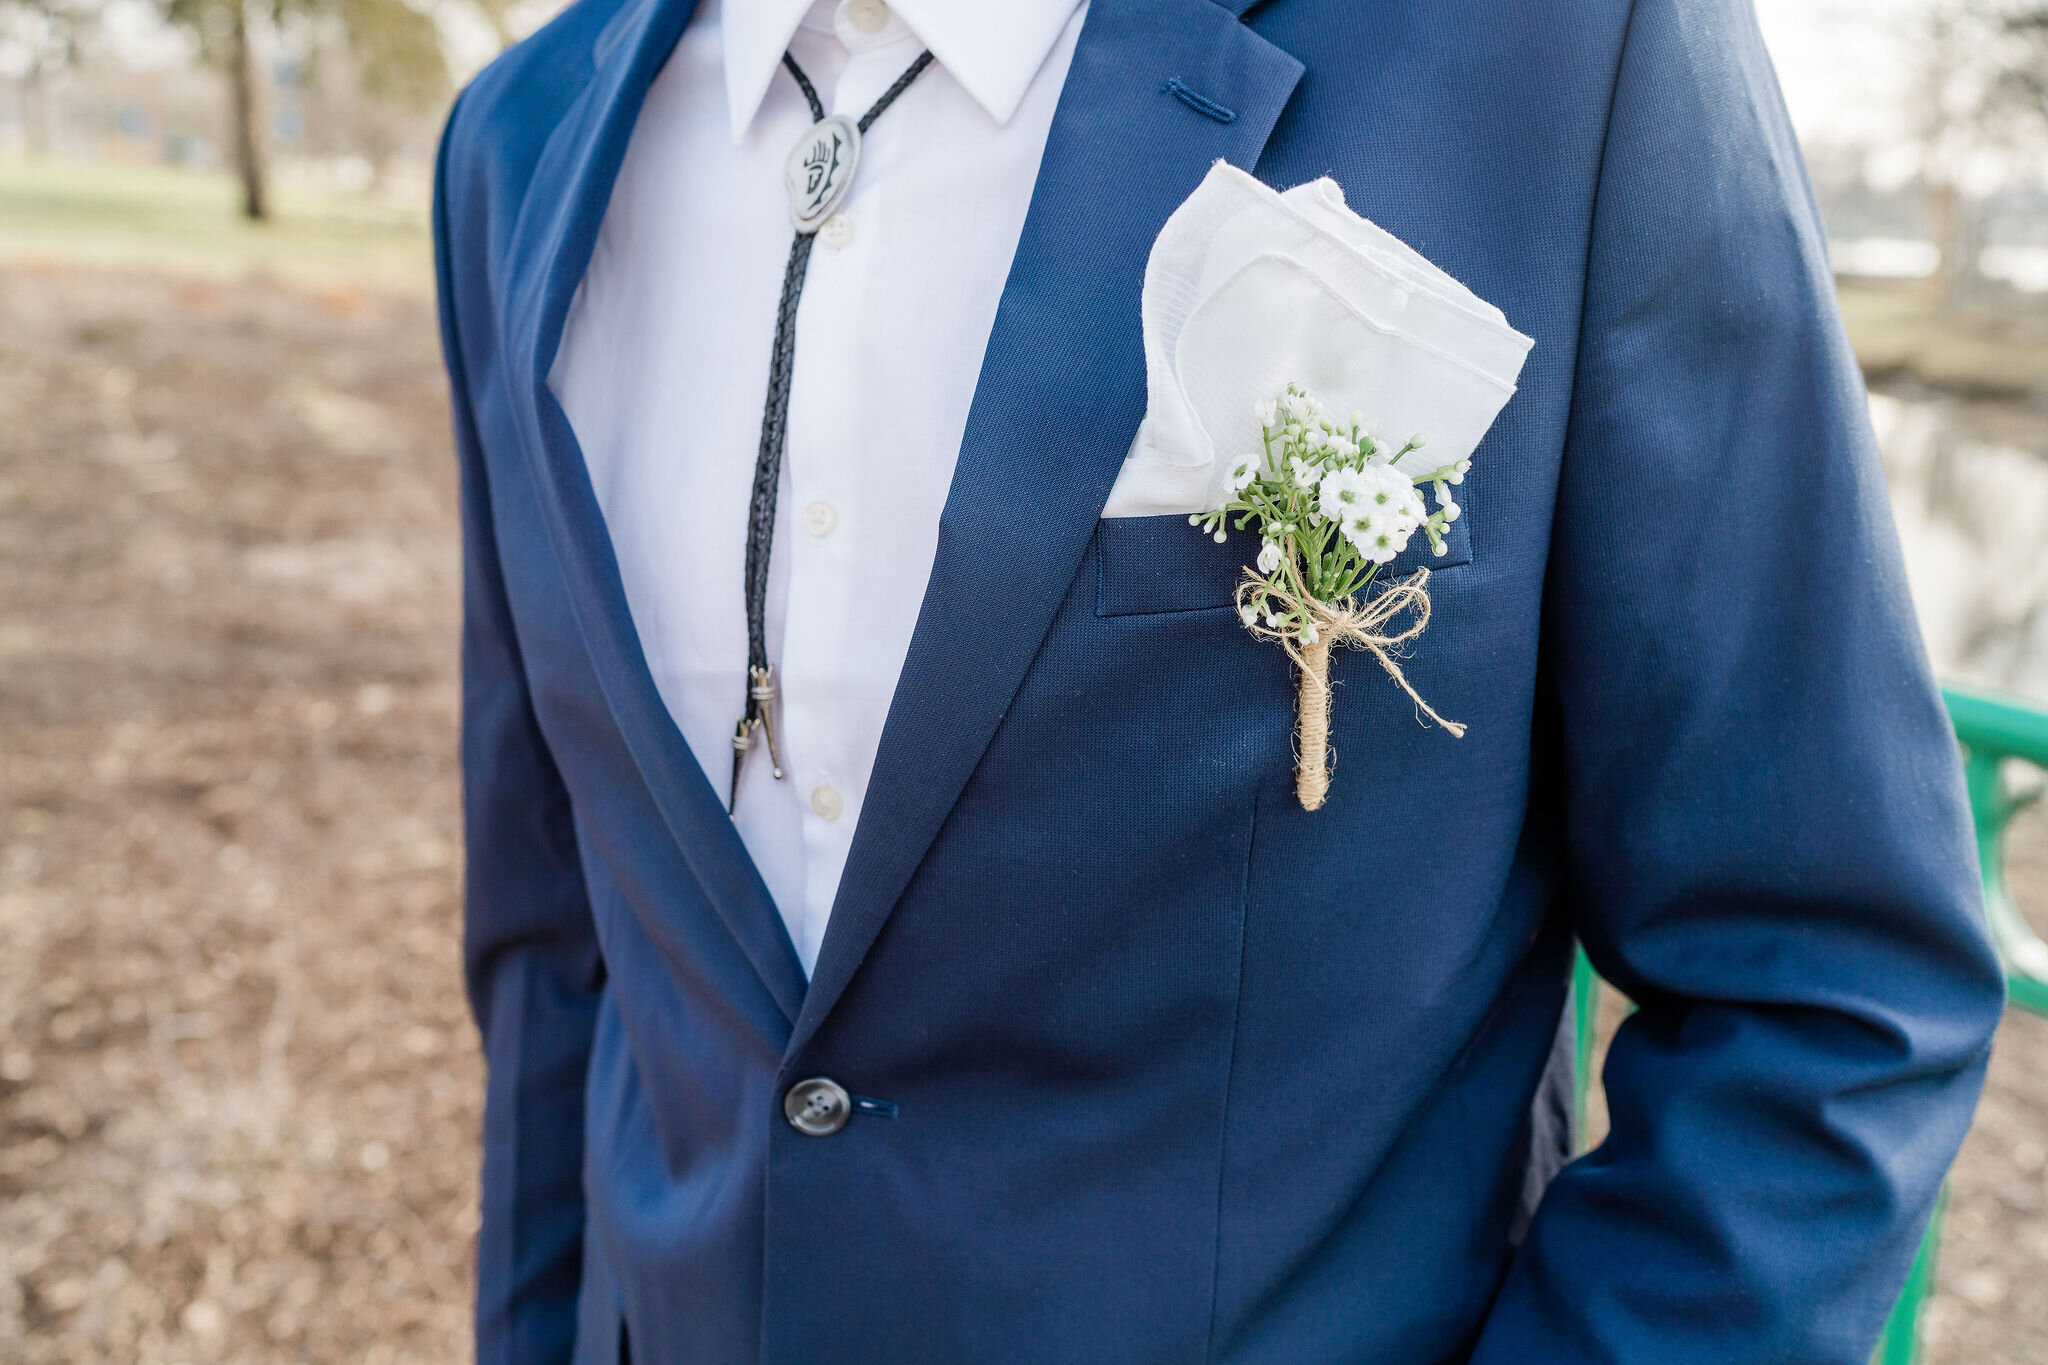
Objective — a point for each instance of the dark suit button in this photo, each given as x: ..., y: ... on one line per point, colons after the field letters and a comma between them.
x: 817, y: 1107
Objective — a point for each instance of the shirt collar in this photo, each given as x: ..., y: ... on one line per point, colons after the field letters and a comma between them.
x: 992, y: 49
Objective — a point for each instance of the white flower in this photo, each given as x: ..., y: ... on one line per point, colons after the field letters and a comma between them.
x: 1219, y: 535
x: 1305, y: 474
x: 1376, y: 509
x: 1267, y: 412
x: 1272, y: 621
x: 1248, y: 615
x: 1316, y: 438
x: 1242, y: 472
x: 1341, y: 491
x: 1452, y: 511
x: 1269, y: 559
x: 1308, y: 633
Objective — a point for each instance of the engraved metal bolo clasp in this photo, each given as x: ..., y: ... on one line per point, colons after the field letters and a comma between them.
x: 820, y: 171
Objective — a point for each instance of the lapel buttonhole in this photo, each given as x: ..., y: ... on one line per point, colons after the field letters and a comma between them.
x: 1196, y: 101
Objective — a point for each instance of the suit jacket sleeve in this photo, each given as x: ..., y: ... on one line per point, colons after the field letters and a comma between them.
x: 1767, y: 840
x: 530, y: 950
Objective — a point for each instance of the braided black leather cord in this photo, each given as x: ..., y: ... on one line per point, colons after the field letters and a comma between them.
x: 775, y: 415
x: 768, y: 463
x: 911, y: 73
x: 803, y: 83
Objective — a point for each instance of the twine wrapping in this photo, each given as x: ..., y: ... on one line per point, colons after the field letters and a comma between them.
x: 1342, y: 623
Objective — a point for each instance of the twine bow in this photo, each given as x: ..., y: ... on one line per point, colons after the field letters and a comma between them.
x: 1353, y: 626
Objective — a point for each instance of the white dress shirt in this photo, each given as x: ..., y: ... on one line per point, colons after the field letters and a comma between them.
x: 663, y: 373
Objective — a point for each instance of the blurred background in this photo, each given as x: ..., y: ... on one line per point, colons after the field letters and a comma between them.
x: 238, y: 1085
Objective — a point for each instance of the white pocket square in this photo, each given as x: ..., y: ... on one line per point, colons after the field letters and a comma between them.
x: 1248, y: 290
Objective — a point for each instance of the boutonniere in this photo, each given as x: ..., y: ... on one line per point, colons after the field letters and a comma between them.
x: 1249, y: 289
x: 1332, y: 505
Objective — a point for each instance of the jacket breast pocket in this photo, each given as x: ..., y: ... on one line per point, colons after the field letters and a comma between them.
x: 1149, y: 565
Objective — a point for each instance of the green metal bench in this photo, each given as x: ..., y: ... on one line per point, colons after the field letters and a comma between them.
x: 1991, y: 730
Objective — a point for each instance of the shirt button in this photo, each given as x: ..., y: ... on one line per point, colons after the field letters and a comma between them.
x: 825, y: 801
x: 867, y: 15
x: 818, y: 1107
x: 837, y: 232
x: 820, y: 517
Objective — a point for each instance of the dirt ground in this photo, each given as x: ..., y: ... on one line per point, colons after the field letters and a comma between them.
x: 238, y: 1085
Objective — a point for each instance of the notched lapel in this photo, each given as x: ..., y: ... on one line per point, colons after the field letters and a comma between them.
x: 1062, y: 390
x: 551, y: 247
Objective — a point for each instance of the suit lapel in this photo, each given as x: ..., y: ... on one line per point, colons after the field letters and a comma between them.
x: 1062, y: 390
x: 550, y: 249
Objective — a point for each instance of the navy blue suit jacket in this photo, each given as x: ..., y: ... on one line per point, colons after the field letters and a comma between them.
x: 1164, y: 1068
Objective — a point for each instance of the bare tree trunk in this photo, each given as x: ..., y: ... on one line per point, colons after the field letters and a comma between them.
x: 248, y: 117
x: 1941, y: 226
x: 1957, y: 225
x: 35, y: 107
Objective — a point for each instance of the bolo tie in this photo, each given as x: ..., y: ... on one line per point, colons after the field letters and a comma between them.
x: 818, y: 174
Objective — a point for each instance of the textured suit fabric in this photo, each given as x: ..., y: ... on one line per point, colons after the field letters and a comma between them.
x: 1168, y: 1069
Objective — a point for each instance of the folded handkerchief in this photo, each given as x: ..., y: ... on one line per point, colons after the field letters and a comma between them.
x: 1248, y: 290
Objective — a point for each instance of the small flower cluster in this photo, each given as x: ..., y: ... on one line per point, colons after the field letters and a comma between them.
x: 1329, y: 505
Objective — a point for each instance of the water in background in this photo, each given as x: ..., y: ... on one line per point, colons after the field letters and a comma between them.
x: 1969, y: 484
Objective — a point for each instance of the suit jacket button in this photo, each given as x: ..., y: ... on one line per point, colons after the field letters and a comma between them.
x: 818, y: 1107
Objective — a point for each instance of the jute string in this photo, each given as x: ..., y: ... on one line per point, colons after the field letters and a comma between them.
x: 1344, y: 623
